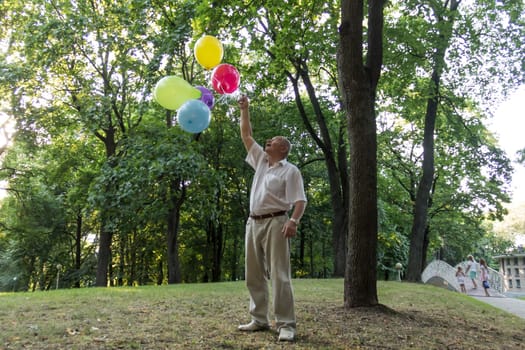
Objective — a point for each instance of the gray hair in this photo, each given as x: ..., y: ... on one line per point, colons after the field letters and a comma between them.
x: 285, y: 142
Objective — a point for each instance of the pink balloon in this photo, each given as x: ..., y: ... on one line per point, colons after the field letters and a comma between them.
x: 225, y: 78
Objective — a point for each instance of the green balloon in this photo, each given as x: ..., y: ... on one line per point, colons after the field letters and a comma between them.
x: 171, y: 92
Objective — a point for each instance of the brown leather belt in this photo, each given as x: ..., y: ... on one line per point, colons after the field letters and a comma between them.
x: 269, y: 215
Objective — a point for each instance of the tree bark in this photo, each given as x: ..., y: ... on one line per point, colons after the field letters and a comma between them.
x: 177, y: 198
x: 106, y: 235
x: 174, y: 274
x: 358, y: 88
x: 420, y: 223
x: 415, y: 264
x: 336, y: 164
x: 104, y: 254
x: 214, y: 249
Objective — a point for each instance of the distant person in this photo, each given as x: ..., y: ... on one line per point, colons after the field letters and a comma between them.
x: 472, y: 270
x: 484, y: 275
x: 460, y: 275
x: 277, y: 187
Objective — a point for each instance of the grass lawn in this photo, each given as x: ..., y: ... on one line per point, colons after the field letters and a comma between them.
x: 205, y: 316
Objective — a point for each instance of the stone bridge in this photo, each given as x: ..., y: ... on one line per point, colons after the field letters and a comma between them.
x: 442, y: 274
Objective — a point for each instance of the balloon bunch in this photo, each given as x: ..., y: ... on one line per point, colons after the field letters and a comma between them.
x: 194, y: 104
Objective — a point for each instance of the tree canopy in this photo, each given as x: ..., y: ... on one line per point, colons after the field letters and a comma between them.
x: 103, y: 186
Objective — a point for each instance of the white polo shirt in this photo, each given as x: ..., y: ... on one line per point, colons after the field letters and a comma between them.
x: 274, y: 188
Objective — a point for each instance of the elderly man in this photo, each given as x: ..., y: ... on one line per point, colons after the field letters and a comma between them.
x: 277, y: 187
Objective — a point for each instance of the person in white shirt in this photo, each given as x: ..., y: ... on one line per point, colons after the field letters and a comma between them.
x: 277, y: 187
x: 460, y: 275
x: 472, y: 270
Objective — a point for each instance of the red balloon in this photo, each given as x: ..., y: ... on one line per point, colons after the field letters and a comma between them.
x: 225, y: 78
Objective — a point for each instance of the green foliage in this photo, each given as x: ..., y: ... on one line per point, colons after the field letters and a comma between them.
x: 78, y: 76
x: 471, y: 172
x: 393, y: 243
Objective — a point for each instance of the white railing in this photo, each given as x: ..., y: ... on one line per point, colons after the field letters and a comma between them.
x: 496, y: 280
x: 439, y: 268
x: 495, y: 277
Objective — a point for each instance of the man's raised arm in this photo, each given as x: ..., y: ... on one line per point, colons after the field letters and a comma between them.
x: 246, y: 126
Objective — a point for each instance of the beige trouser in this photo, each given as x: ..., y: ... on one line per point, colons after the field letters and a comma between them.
x: 268, y: 256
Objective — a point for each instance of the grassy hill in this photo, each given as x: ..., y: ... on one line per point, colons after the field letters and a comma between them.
x: 205, y: 316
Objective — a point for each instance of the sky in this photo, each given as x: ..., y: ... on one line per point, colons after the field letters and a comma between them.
x: 509, y: 126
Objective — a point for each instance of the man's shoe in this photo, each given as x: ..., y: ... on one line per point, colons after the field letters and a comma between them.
x: 253, y: 326
x: 286, y: 334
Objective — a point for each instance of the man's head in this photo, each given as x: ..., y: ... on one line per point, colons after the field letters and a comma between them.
x: 278, y: 147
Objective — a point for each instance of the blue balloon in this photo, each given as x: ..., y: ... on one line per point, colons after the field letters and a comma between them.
x: 194, y: 116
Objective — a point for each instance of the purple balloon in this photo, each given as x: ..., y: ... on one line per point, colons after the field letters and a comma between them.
x: 206, y: 97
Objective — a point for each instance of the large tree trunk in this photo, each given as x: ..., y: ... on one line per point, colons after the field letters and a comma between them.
x: 104, y: 255
x: 106, y: 236
x: 339, y: 231
x: 174, y: 274
x: 422, y: 203
x: 160, y: 273
x: 358, y: 86
x: 341, y: 210
x: 214, y: 248
x: 415, y: 260
x: 336, y: 165
x: 178, y: 194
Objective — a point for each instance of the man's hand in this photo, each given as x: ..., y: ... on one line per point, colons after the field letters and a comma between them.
x: 243, y: 102
x: 246, y: 127
x: 289, y: 229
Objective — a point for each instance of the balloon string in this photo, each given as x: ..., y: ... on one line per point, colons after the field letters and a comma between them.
x: 222, y: 99
x: 229, y: 98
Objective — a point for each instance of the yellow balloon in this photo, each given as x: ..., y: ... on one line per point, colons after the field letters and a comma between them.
x: 171, y: 92
x: 208, y: 51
